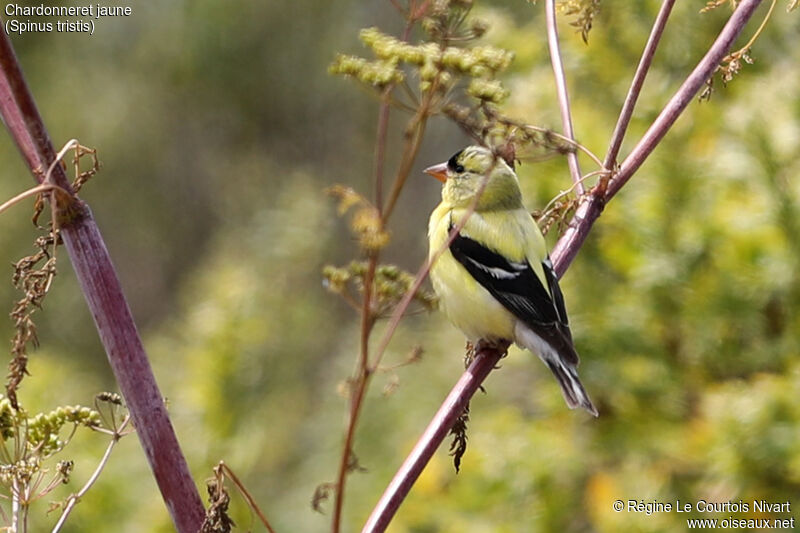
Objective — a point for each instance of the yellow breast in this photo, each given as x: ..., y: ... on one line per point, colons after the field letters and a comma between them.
x: 469, y: 306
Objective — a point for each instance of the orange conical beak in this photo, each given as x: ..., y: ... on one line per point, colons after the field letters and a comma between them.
x: 438, y: 171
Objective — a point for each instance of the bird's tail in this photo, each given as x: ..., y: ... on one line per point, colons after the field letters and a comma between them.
x: 561, y: 358
x: 571, y: 386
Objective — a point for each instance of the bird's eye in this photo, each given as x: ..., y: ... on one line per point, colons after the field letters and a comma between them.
x: 454, y: 165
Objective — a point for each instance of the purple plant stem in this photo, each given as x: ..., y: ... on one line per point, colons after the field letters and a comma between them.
x: 561, y: 256
x: 638, y: 81
x: 590, y: 207
x: 578, y: 228
x: 702, y: 72
x: 21, y: 116
x: 434, y: 434
x: 106, y: 301
x: 561, y: 90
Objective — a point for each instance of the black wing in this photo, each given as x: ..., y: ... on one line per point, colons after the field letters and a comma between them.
x: 517, y: 287
x: 558, y: 297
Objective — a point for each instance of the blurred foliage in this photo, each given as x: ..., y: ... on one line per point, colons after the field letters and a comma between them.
x: 219, y: 127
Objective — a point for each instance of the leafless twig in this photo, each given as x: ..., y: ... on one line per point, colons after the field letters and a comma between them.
x: 561, y: 90
x: 638, y: 81
x: 590, y: 207
x: 73, y: 500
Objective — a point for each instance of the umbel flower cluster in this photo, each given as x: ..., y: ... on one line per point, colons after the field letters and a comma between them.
x: 42, y: 430
x: 438, y: 65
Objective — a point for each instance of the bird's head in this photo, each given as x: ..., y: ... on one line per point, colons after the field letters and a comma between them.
x: 463, y: 174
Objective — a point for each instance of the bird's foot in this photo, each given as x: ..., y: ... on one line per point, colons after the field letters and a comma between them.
x: 497, y: 346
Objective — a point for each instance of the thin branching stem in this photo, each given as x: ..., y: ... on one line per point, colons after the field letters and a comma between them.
x: 3, y: 515
x: 412, y: 144
x: 638, y: 80
x: 358, y: 389
x: 569, y: 191
x: 409, y: 94
x: 54, y: 206
x: 571, y: 142
x: 356, y: 393
x: 677, y: 104
x: 761, y: 27
x: 414, y: 134
x: 45, y: 187
x: 14, y: 506
x: 561, y: 90
x: 359, y: 386
x: 33, y: 191
x: 380, y: 146
x: 75, y: 498
x: 248, y: 497
x: 591, y: 205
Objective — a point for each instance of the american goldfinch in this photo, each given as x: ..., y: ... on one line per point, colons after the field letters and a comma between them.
x: 496, y: 281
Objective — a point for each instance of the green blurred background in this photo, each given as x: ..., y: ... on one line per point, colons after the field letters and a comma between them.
x: 218, y: 128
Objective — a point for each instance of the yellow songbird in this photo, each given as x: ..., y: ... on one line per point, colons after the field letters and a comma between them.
x: 495, y: 281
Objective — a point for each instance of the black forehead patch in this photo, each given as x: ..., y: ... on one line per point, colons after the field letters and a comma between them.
x: 453, y: 163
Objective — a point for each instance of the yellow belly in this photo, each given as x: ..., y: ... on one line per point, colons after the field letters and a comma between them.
x: 467, y: 304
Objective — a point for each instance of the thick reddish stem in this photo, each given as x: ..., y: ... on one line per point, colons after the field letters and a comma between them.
x: 106, y: 301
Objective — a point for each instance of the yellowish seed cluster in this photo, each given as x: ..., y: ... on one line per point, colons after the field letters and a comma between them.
x: 377, y: 73
x: 437, y: 66
x: 489, y: 90
x: 43, y: 429
x: 391, y: 283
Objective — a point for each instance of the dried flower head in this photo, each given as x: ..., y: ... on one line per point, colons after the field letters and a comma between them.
x: 365, y: 220
x: 584, y: 12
